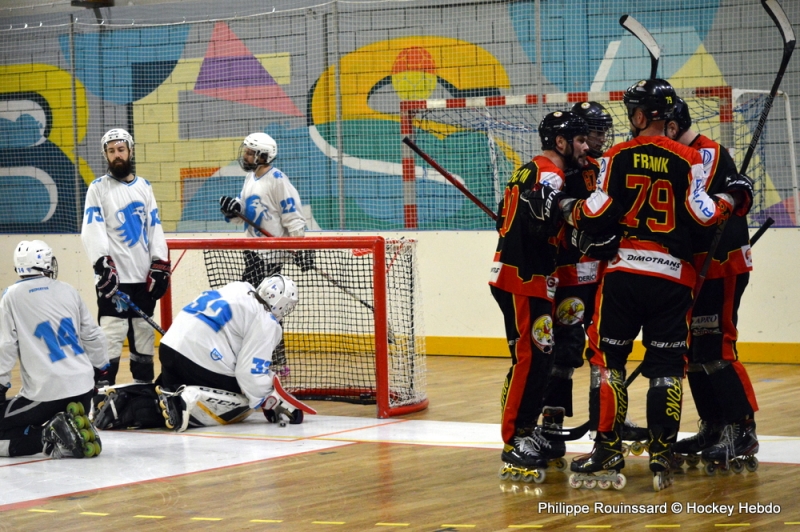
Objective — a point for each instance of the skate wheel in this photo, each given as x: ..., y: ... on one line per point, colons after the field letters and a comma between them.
x: 637, y: 448
x: 539, y: 476
x: 97, y: 447
x: 168, y: 423
x: 81, y: 422
x: 297, y: 417
x: 590, y: 484
x: 725, y: 469
x: 626, y: 449
x: 692, y: 460
x: 76, y: 409
x: 620, y: 482
x: 574, y: 481
x: 87, y: 435
x: 560, y: 464
x: 678, y: 460
x: 658, y: 485
x: 89, y: 450
x: 504, y: 473
x: 516, y: 475
x: 710, y: 469
x: 751, y: 464
x: 737, y: 466
x: 604, y: 484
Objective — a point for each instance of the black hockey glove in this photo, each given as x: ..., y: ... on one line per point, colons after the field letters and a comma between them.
x: 740, y: 186
x: 304, y: 259
x: 107, y: 278
x: 542, y: 202
x: 158, y: 278
x: 101, y: 377
x: 229, y: 206
x: 600, y: 247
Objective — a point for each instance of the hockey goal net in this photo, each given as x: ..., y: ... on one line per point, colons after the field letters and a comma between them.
x: 356, y: 333
x: 482, y: 140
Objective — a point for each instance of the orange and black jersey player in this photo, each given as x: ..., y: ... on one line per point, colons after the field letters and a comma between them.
x: 524, y: 287
x: 722, y: 390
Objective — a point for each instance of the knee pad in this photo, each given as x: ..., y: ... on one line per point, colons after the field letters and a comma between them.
x: 664, y: 402
x: 143, y: 338
x: 131, y: 406
x: 115, y: 329
x: 206, y: 407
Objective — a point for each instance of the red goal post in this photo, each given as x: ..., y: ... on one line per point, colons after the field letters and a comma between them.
x: 509, y: 127
x: 356, y: 334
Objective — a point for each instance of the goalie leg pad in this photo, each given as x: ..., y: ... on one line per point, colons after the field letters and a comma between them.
x: 208, y: 407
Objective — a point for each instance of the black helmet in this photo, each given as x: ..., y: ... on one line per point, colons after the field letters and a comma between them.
x: 561, y: 123
x: 681, y: 115
x: 655, y: 97
x: 599, y: 120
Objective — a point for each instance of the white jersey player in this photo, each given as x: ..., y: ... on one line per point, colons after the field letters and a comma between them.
x: 216, y: 363
x: 267, y: 198
x: 46, y: 325
x: 125, y: 242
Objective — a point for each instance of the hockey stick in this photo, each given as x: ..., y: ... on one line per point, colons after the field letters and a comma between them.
x: 126, y: 300
x: 777, y: 15
x: 761, y: 230
x: 644, y: 36
x: 447, y: 175
x: 324, y: 275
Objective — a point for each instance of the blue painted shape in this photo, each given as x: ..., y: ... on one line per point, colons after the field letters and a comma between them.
x: 576, y: 34
x: 69, y: 209
x: 23, y: 132
x: 122, y: 66
x: 24, y: 200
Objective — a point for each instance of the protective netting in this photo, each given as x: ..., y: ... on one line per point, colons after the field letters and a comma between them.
x: 330, y: 346
x: 327, y: 80
x: 481, y: 141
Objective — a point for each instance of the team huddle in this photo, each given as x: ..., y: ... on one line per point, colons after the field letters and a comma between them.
x: 613, y: 240
x: 217, y: 358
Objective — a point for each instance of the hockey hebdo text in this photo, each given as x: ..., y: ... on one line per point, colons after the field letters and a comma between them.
x: 571, y: 510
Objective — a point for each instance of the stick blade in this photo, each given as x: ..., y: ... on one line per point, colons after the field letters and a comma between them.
x: 778, y: 16
x: 644, y: 36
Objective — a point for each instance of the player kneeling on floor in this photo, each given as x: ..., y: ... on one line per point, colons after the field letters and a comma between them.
x: 216, y: 363
x: 45, y: 324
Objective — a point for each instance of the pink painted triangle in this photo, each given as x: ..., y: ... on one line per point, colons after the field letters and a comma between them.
x: 231, y: 72
x: 225, y: 43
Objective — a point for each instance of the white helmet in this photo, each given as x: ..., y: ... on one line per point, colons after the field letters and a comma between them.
x: 116, y: 134
x: 262, y: 144
x: 280, y: 293
x: 35, y: 257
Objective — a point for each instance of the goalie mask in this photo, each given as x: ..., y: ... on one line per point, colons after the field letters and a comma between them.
x: 601, y: 126
x: 264, y: 148
x: 279, y: 293
x: 34, y: 258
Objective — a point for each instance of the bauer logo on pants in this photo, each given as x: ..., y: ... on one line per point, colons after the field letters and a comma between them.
x: 542, y: 333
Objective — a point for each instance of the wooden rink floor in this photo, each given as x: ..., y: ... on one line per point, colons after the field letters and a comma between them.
x: 437, y: 469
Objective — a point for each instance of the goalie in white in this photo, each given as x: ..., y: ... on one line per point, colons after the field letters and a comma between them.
x: 216, y: 363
